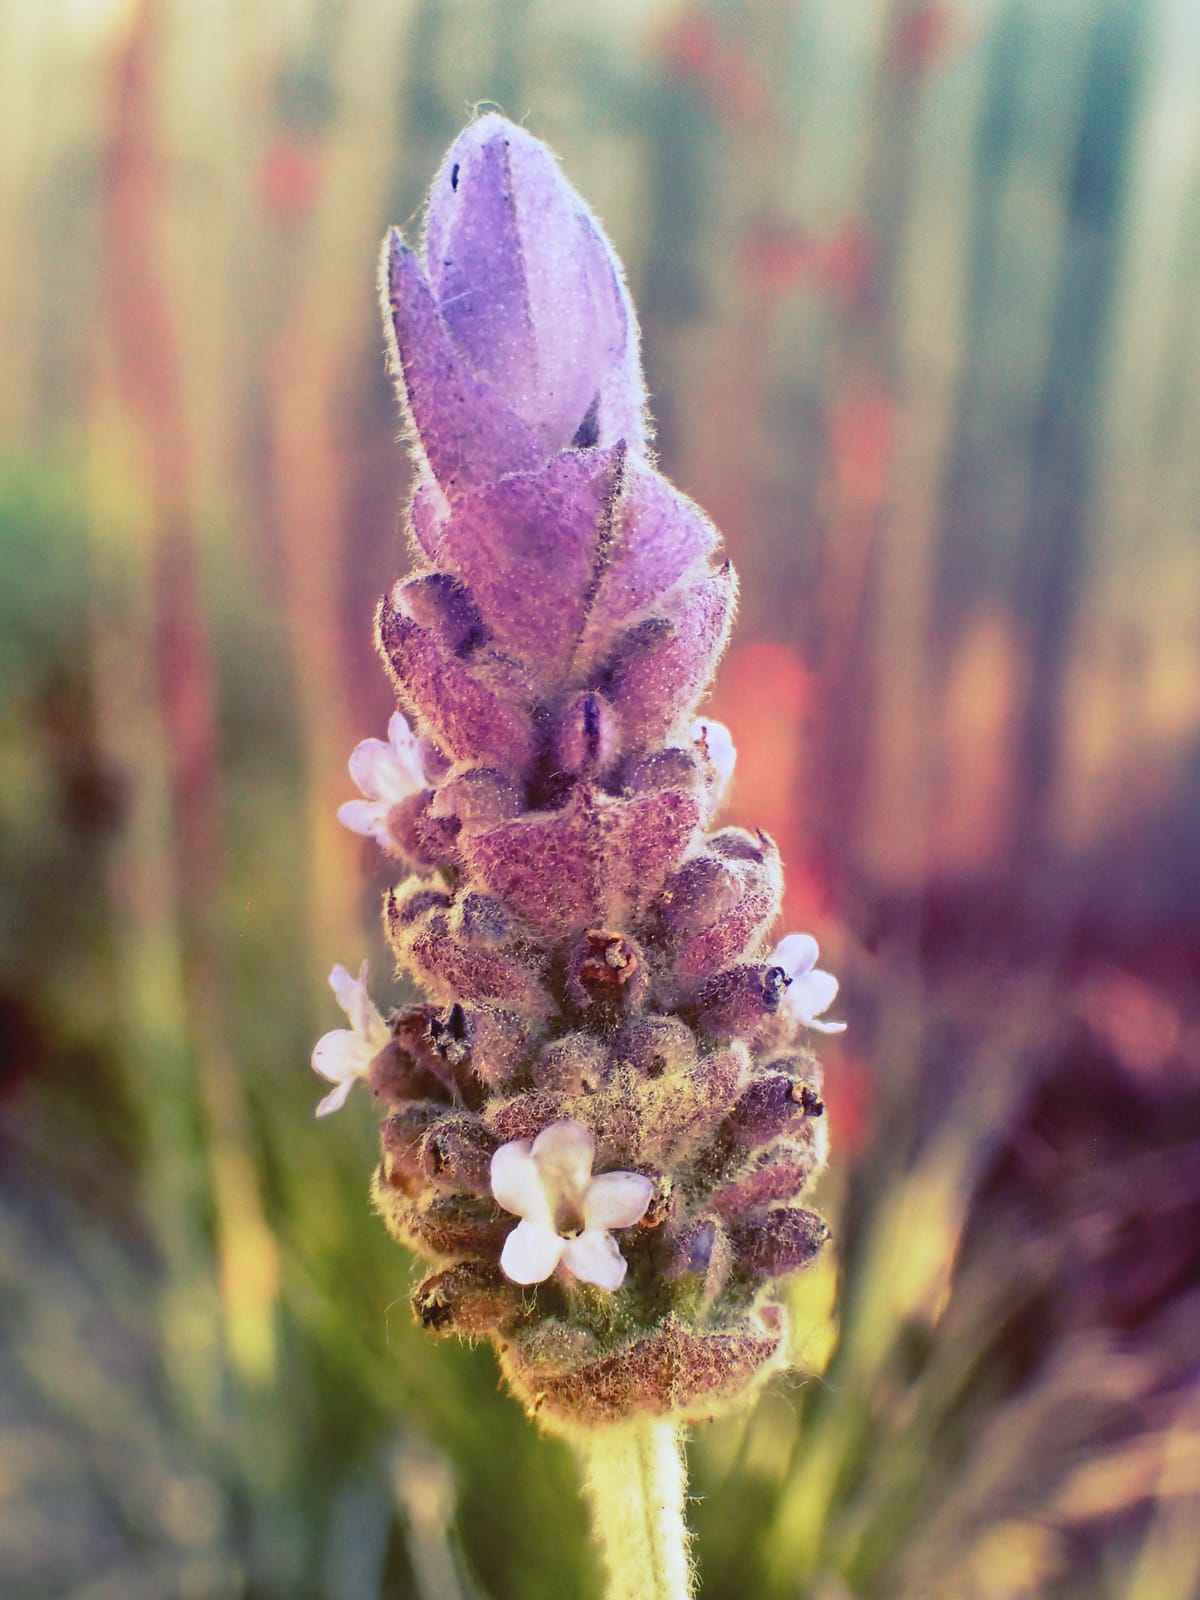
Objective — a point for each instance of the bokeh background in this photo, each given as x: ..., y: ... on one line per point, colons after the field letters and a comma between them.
x: 920, y: 283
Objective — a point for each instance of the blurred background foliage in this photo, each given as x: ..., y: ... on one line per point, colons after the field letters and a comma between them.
x: 920, y: 282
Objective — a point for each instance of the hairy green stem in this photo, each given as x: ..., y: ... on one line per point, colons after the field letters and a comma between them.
x: 635, y: 1479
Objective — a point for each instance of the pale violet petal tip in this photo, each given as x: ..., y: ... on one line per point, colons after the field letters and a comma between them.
x: 344, y: 987
x: 363, y: 816
x: 813, y: 993
x: 377, y: 772
x: 796, y: 954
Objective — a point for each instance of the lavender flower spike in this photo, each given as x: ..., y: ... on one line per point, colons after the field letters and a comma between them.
x: 604, y: 1047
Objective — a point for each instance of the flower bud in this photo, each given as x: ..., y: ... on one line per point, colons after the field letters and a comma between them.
x: 443, y: 608
x: 703, y: 890
x: 453, y: 1225
x: 467, y: 970
x: 666, y: 664
x: 421, y: 838
x: 606, y: 973
x: 481, y: 920
x: 702, y: 1252
x: 586, y: 740
x: 780, y: 1176
x: 409, y: 902
x: 456, y: 1154
x: 499, y: 1044
x: 735, y: 1002
x: 477, y: 798
x: 657, y: 1045
x: 578, y: 1063
x: 768, y: 1106
x: 530, y: 291
x: 401, y: 1138
x: 397, y: 1076
x: 777, y: 1242
x: 671, y: 1371
x: 471, y: 1299
x: 469, y: 718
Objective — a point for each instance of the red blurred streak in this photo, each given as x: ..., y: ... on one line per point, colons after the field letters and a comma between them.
x: 780, y: 257
x: 847, y: 263
x: 695, y: 48
x: 289, y: 179
x: 764, y: 694
x: 147, y: 364
x: 146, y: 357
x: 848, y: 1103
x: 928, y: 37
x: 861, y: 427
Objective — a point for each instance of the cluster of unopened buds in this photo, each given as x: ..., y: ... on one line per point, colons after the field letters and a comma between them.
x: 602, y: 1114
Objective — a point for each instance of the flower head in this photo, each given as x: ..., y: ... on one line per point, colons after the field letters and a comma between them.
x: 587, y: 951
x: 386, y: 774
x: 345, y: 1055
x: 565, y: 1212
x: 810, y: 991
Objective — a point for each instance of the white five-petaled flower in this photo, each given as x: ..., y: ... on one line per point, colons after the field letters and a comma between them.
x: 565, y: 1213
x: 810, y: 991
x: 386, y: 774
x: 719, y: 747
x: 345, y: 1055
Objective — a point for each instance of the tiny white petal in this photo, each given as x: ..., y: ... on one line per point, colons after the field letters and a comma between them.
x: 517, y: 1183
x: 722, y: 753
x: 374, y: 769
x: 335, y: 1099
x: 616, y: 1200
x: 563, y: 1153
x: 367, y: 817
x: 345, y: 1055
x: 813, y: 993
x: 340, y: 1057
x: 531, y: 1252
x: 797, y: 954
x: 362, y: 1011
x: 594, y: 1258
x: 810, y: 993
x: 344, y: 987
x: 406, y: 751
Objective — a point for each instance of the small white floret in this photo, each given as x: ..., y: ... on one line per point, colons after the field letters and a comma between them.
x: 386, y: 774
x: 345, y: 1055
x: 566, y: 1214
x: 810, y: 991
